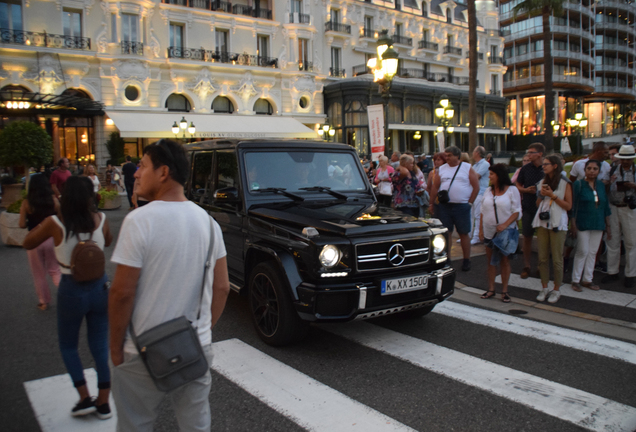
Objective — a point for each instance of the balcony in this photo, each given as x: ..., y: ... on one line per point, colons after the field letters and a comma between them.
x: 480, y: 56
x: 433, y: 77
x: 428, y: 45
x: 47, y: 40
x: 495, y: 60
x: 337, y: 27
x: 369, y: 33
x: 242, y: 10
x: 402, y: 40
x: 262, y: 13
x: 334, y: 72
x: 213, y: 56
x: 495, y: 92
x: 360, y: 70
x: 306, y: 66
x: 134, y: 48
x: 451, y: 50
x: 299, y: 18
x: 223, y: 6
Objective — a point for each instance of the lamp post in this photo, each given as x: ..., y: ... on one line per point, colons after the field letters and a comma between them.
x: 182, y: 126
x: 445, y: 113
x: 384, y: 68
x: 578, y: 123
x: 326, y: 132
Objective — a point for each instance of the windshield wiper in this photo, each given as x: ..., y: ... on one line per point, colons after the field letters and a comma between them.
x: 325, y: 189
x: 281, y: 191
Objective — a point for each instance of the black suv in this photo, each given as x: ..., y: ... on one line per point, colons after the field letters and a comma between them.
x: 306, y: 240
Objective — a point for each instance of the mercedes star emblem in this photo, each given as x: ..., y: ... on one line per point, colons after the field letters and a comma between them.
x: 396, y: 254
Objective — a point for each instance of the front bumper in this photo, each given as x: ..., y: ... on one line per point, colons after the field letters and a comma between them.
x: 362, y: 300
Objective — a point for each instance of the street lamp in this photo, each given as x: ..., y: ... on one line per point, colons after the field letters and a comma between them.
x: 445, y: 113
x: 326, y: 132
x: 182, y: 126
x: 384, y: 68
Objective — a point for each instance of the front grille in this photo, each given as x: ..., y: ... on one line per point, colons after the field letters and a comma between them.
x: 375, y: 256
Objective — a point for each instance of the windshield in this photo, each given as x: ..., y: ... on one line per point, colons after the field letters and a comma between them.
x: 296, y: 171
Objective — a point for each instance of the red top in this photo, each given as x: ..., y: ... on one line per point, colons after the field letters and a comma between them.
x: 59, y: 177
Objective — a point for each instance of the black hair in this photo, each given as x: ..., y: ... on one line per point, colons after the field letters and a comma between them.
x: 128, y: 158
x: 554, y: 178
x: 171, y: 154
x: 593, y: 161
x: 40, y: 196
x: 501, y: 171
x: 60, y: 162
x: 78, y: 206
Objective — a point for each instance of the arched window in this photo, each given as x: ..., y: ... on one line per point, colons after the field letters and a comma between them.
x: 334, y: 114
x: 262, y: 106
x: 222, y: 105
x: 178, y: 102
x: 424, y: 9
x: 449, y: 17
x: 417, y: 114
x: 493, y: 119
x: 77, y: 93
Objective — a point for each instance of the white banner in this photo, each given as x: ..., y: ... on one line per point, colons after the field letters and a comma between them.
x: 376, y: 130
x: 440, y: 141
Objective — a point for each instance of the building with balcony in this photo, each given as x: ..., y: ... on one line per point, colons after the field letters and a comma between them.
x: 593, y: 67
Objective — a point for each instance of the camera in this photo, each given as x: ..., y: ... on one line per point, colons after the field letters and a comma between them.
x: 630, y: 201
x: 544, y: 215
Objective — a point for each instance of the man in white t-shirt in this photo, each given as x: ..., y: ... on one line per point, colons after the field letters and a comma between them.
x: 161, y: 254
x: 600, y: 152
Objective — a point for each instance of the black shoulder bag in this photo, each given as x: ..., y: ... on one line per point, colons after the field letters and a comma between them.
x: 172, y: 351
x: 443, y: 196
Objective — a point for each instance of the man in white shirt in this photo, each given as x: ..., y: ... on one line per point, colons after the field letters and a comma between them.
x: 482, y: 169
x: 161, y: 254
x: 600, y: 152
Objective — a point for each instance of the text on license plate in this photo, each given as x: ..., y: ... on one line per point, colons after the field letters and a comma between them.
x: 393, y: 286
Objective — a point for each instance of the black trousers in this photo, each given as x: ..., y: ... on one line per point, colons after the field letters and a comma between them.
x: 129, y: 192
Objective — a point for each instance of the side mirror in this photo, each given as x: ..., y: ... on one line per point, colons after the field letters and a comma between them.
x: 228, y: 195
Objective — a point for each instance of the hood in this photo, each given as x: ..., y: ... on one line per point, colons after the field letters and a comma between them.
x: 339, y: 218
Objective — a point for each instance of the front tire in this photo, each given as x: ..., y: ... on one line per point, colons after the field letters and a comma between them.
x: 273, y: 314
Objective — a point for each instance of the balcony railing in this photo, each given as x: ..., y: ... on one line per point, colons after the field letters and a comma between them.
x: 334, y: 72
x: 337, y: 27
x: 214, y: 56
x: 369, y: 33
x: 402, y: 40
x: 223, y: 6
x: 428, y: 45
x: 262, y: 13
x: 495, y: 60
x: 128, y: 47
x: 306, y: 66
x: 495, y: 92
x: 299, y: 18
x: 480, y: 56
x: 360, y: 70
x: 433, y: 77
x: 242, y: 10
x: 448, y: 49
x: 47, y: 40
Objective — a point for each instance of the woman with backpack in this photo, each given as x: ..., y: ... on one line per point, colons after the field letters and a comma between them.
x: 39, y: 204
x: 80, y: 232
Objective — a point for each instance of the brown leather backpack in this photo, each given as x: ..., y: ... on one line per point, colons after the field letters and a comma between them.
x: 87, y: 261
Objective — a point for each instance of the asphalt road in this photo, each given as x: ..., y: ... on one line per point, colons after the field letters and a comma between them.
x: 438, y: 373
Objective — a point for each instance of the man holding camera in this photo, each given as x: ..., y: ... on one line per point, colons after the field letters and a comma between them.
x: 622, y: 198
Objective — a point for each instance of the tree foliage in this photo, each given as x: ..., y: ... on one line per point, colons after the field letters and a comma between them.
x: 23, y: 143
x: 115, y: 146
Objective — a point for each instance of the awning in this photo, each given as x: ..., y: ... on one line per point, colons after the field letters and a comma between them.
x: 412, y: 127
x: 159, y: 125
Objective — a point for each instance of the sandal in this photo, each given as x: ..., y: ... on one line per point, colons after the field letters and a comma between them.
x: 505, y: 297
x: 488, y: 294
x: 590, y: 285
x: 576, y: 287
x: 43, y: 306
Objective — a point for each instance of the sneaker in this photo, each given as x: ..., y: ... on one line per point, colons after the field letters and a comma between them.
x: 458, y: 241
x: 610, y: 278
x: 84, y: 407
x: 475, y: 242
x: 543, y: 294
x: 601, y: 267
x: 630, y: 282
x: 466, y: 265
x: 525, y: 273
x: 554, y: 296
x: 103, y: 411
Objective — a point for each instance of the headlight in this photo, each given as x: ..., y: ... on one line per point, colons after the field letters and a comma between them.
x: 329, y: 256
x: 439, y: 244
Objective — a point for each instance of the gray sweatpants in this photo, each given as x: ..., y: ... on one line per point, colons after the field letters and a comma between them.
x: 137, y: 398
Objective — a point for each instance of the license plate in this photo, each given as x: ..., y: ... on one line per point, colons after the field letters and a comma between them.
x: 394, y: 286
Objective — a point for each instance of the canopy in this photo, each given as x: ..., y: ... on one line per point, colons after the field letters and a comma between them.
x: 133, y: 124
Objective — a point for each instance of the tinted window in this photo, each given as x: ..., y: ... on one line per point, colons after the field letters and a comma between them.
x: 227, y: 169
x: 202, y: 176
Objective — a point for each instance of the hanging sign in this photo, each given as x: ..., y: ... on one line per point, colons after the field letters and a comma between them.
x: 376, y: 130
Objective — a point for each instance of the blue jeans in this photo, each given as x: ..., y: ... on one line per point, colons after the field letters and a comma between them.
x: 455, y: 215
x: 74, y: 302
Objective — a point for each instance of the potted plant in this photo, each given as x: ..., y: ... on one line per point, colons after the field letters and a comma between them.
x: 10, y: 231
x: 110, y: 200
x: 11, y: 189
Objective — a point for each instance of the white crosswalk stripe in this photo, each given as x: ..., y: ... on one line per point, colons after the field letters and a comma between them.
x: 600, y: 296
x: 546, y: 332
x: 581, y: 408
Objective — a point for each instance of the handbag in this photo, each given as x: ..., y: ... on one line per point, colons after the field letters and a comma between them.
x: 171, y: 351
x: 385, y: 187
x: 443, y: 196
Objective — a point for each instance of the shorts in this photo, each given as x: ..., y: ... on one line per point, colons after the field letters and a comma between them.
x: 526, y: 223
x: 455, y: 215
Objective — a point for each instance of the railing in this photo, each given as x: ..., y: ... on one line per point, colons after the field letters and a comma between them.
x: 337, y: 72
x: 299, y: 18
x: 128, y: 47
x: 262, y: 13
x: 306, y: 66
x: 452, y: 50
x: 433, y: 77
x: 495, y: 92
x: 402, y: 40
x: 428, y: 45
x: 337, y: 27
x: 242, y: 10
x: 360, y: 70
x: 495, y: 60
x: 369, y: 33
x: 223, y: 6
x: 47, y: 40
x: 480, y: 56
x: 221, y: 57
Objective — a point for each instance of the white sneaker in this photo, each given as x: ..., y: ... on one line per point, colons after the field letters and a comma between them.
x: 543, y: 294
x: 459, y: 240
x: 554, y: 296
x: 474, y: 242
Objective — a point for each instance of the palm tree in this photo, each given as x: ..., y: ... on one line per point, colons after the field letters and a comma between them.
x: 545, y: 8
x: 472, y: 76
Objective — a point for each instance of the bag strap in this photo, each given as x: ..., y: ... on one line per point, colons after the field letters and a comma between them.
x: 208, y: 264
x: 494, y: 203
x: 453, y: 179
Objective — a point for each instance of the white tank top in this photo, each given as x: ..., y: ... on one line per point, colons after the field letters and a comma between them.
x: 65, y: 249
x: 461, y: 190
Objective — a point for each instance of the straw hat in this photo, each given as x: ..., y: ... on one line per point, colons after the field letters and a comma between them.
x: 626, y: 152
